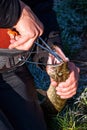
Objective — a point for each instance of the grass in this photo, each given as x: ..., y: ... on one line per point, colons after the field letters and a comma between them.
x: 72, y: 19
x: 72, y: 117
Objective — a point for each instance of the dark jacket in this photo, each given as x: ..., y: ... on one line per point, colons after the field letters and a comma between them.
x: 10, y: 10
x: 9, y: 13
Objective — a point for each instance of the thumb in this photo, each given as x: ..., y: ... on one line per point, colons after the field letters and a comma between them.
x: 53, y: 82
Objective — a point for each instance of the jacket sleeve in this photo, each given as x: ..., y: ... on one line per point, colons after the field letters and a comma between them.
x: 10, y: 11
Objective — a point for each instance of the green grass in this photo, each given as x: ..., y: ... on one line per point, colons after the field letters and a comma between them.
x: 72, y: 19
x: 72, y: 117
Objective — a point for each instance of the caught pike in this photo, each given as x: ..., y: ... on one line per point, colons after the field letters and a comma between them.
x: 59, y: 72
x: 53, y: 103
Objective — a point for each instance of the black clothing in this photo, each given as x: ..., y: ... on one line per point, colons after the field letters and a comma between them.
x: 10, y: 11
x: 20, y: 106
x: 23, y: 114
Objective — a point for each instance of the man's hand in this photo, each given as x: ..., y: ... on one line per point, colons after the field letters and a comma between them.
x: 68, y: 88
x: 29, y: 28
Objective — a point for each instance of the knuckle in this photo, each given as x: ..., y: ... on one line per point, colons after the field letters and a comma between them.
x: 32, y: 34
x: 41, y: 32
x: 78, y: 70
x: 74, y: 93
x: 41, y: 29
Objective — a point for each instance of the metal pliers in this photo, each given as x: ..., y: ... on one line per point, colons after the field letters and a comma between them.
x: 48, y: 49
x: 45, y: 47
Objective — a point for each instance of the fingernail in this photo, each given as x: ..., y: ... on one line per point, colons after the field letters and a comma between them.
x: 62, y: 97
x: 10, y: 47
x: 67, y: 59
x: 60, y: 86
x: 58, y: 93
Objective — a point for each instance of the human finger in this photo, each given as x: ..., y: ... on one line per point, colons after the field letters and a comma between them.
x: 65, y: 90
x: 73, y: 76
x: 61, y: 54
x: 26, y: 46
x: 70, y: 95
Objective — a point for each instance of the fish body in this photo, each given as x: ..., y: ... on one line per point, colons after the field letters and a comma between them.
x: 53, y: 103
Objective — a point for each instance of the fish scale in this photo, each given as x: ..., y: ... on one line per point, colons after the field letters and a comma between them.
x: 53, y: 103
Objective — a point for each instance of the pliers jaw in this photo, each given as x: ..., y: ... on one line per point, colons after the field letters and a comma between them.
x: 47, y: 48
